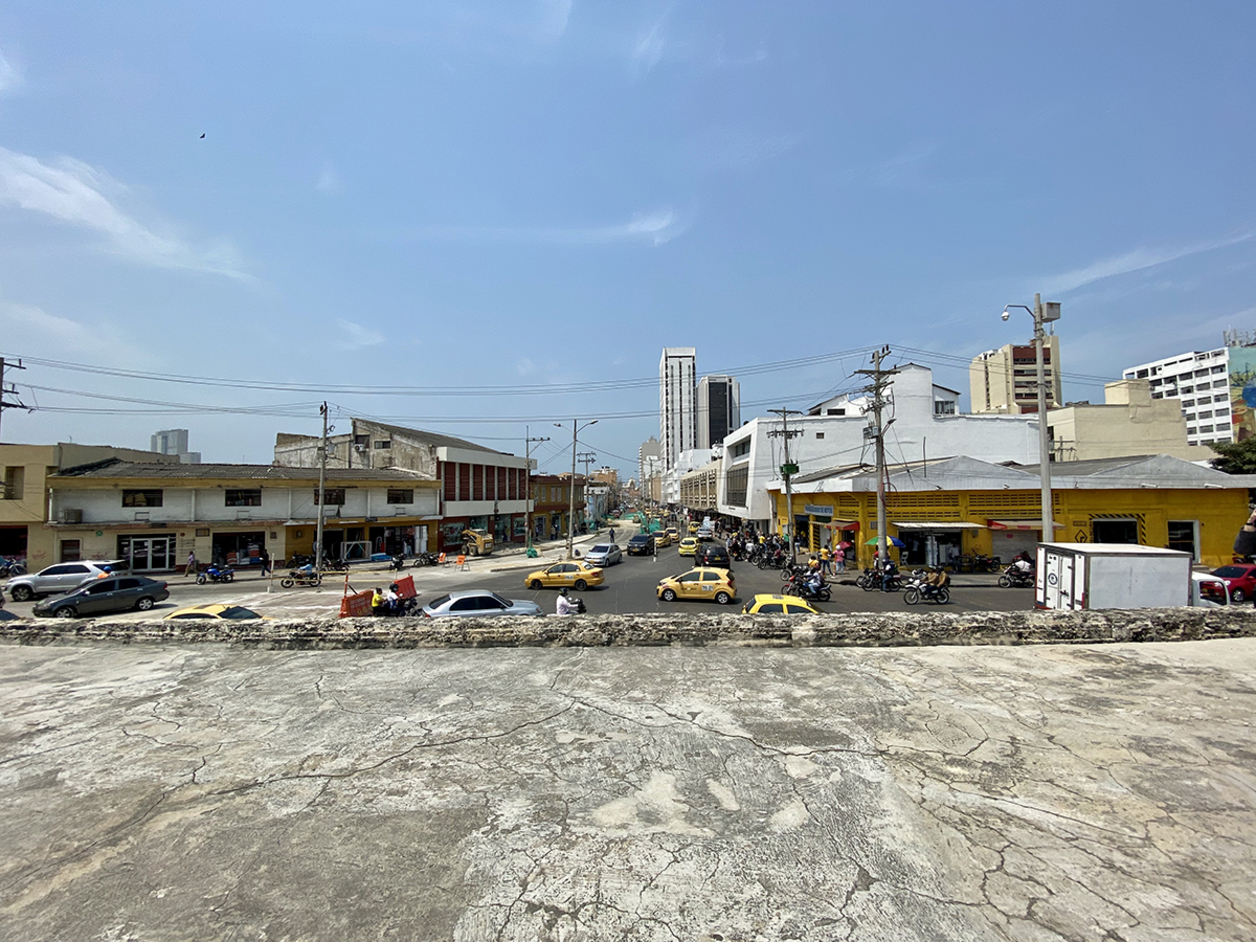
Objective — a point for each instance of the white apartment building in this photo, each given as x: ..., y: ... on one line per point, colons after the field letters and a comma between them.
x: 648, y: 456
x: 927, y: 425
x: 678, y: 416
x: 1200, y: 380
x: 719, y: 409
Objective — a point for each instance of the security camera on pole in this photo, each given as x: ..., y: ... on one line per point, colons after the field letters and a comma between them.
x: 1041, y: 313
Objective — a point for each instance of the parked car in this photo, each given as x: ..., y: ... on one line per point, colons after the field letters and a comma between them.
x: 713, y: 556
x: 708, y: 584
x: 102, y: 596
x: 604, y: 554
x: 768, y: 604
x: 222, y: 612
x: 1240, y: 579
x: 469, y: 603
x: 576, y: 575
x: 61, y: 577
x: 641, y: 545
x: 688, y: 546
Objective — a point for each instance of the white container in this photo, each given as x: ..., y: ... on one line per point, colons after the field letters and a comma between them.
x: 1089, y: 576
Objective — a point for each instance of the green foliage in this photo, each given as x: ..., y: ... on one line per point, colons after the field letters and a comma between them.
x: 1236, y: 457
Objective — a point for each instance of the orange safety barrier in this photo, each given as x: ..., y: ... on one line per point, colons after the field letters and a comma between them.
x: 356, y: 605
x: 462, y: 562
x: 442, y: 559
x: 406, y: 589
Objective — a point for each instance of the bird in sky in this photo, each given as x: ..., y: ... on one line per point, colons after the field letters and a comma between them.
x: 202, y: 137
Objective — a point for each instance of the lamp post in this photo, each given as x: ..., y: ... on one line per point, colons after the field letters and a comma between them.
x: 1041, y: 313
x: 571, y: 500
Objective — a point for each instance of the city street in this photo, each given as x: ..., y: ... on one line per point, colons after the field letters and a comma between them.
x: 629, y: 588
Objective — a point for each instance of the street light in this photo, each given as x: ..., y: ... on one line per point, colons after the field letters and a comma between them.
x: 571, y: 501
x: 1041, y: 313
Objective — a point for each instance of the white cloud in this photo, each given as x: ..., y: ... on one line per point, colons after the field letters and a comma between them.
x: 74, y: 192
x: 10, y: 76
x: 555, y: 15
x: 1137, y: 260
x: 328, y: 182
x: 656, y: 228
x: 648, y: 49
x: 359, y: 336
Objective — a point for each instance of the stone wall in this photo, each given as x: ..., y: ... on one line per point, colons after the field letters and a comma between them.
x: 856, y: 630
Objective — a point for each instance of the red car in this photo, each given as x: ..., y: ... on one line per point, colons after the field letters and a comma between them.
x: 1240, y: 579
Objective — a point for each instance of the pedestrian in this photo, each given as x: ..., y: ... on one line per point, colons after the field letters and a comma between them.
x: 190, y: 569
x: 265, y: 563
x: 826, y: 560
x: 612, y: 535
x: 839, y: 558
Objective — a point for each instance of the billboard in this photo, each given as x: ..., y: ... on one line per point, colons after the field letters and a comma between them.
x: 1243, y: 392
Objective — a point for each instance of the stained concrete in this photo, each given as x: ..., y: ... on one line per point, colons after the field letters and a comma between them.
x: 164, y: 792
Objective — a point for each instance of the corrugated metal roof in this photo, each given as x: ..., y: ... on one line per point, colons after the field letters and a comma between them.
x: 115, y: 468
x: 432, y: 438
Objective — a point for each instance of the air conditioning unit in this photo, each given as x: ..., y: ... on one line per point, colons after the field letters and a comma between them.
x: 71, y: 516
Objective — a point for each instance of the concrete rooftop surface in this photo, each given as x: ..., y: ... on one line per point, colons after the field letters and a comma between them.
x: 164, y: 792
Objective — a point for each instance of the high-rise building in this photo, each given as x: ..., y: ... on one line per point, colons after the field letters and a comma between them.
x: 174, y: 441
x: 1202, y: 381
x: 719, y: 409
x: 678, y: 425
x: 648, y: 456
x: 1006, y: 380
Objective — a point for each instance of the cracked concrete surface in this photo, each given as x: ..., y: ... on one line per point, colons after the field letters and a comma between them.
x: 168, y: 792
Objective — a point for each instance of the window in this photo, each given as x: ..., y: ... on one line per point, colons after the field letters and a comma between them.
x: 735, y: 486
x: 128, y: 583
x: 819, y: 434
x: 1218, y: 369
x: 334, y: 495
x: 689, y: 577
x: 401, y: 495
x: 771, y: 608
x: 944, y: 407
x: 383, y: 446
x: 1182, y: 537
x: 249, y: 498
x: 100, y: 588
x: 741, y: 448
x: 71, y: 550
x: 830, y: 412
x: 797, y: 610
x: 1191, y: 430
x: 141, y: 498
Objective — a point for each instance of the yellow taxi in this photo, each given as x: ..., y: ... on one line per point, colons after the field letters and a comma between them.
x: 715, y: 585
x: 768, y: 604
x: 217, y: 612
x: 577, y: 575
x: 662, y: 538
x: 688, y: 546
x: 693, y: 528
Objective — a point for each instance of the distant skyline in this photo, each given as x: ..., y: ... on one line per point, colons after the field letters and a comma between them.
x: 523, y: 202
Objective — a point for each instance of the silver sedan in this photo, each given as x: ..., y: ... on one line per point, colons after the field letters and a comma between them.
x: 604, y: 554
x: 467, y: 603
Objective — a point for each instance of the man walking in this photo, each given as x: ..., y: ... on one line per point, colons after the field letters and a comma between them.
x: 190, y: 569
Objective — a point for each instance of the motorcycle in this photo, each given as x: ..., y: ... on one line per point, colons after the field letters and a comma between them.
x: 1013, y: 578
x: 306, y: 576
x: 872, y: 579
x: 920, y: 591
x: 426, y: 559
x: 215, y: 573
x: 396, y: 564
x: 803, y: 588
x: 579, y: 604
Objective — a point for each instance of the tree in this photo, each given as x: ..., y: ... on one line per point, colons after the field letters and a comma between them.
x: 1235, y: 457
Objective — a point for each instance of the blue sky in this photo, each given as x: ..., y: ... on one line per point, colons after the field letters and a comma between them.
x: 529, y: 194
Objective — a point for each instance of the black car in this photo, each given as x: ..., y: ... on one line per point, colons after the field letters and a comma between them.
x: 102, y: 596
x: 641, y: 545
x: 712, y: 556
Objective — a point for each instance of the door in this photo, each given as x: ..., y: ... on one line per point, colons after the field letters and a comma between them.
x: 97, y: 597
x: 62, y: 578
x: 690, y: 586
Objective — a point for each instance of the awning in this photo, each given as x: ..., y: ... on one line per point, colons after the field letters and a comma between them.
x: 1021, y: 524
x: 937, y: 525
x: 839, y: 525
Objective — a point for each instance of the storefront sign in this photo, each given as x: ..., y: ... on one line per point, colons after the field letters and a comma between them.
x: 817, y: 510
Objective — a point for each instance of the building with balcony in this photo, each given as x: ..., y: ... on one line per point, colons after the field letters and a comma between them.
x: 155, y: 514
x: 1005, y: 381
x: 1208, y: 388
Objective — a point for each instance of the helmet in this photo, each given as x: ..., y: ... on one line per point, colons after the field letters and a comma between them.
x: 394, y: 587
x: 564, y: 591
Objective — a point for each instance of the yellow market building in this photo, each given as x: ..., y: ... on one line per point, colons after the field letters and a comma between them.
x: 947, y: 511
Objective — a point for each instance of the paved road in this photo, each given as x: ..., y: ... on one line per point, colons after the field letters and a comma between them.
x: 1033, y: 794
x: 630, y: 588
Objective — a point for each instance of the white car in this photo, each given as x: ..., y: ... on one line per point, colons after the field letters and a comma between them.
x: 604, y: 554
x: 62, y: 577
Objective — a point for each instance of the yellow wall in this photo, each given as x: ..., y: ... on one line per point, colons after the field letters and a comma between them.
x: 1219, y: 512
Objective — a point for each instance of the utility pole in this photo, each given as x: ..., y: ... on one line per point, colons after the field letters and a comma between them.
x: 527, y: 497
x: 879, y: 384
x: 322, y: 497
x: 10, y: 389
x: 788, y: 470
x: 571, y: 497
x: 586, y: 458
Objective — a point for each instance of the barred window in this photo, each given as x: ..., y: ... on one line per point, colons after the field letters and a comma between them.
x: 246, y: 498
x: 737, y: 483
x: 141, y: 498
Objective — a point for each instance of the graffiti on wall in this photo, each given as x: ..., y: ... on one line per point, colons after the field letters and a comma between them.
x: 1243, y: 392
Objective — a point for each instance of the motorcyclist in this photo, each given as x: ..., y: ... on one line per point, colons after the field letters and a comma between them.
x: 1022, y: 563
x: 938, y: 578
x: 565, y: 606
x: 392, y: 601
x: 378, y: 602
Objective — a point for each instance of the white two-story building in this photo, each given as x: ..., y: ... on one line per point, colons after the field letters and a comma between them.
x: 923, y: 421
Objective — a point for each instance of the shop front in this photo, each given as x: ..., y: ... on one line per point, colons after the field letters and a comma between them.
x: 929, y: 543
x: 238, y: 549
x: 148, y: 552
